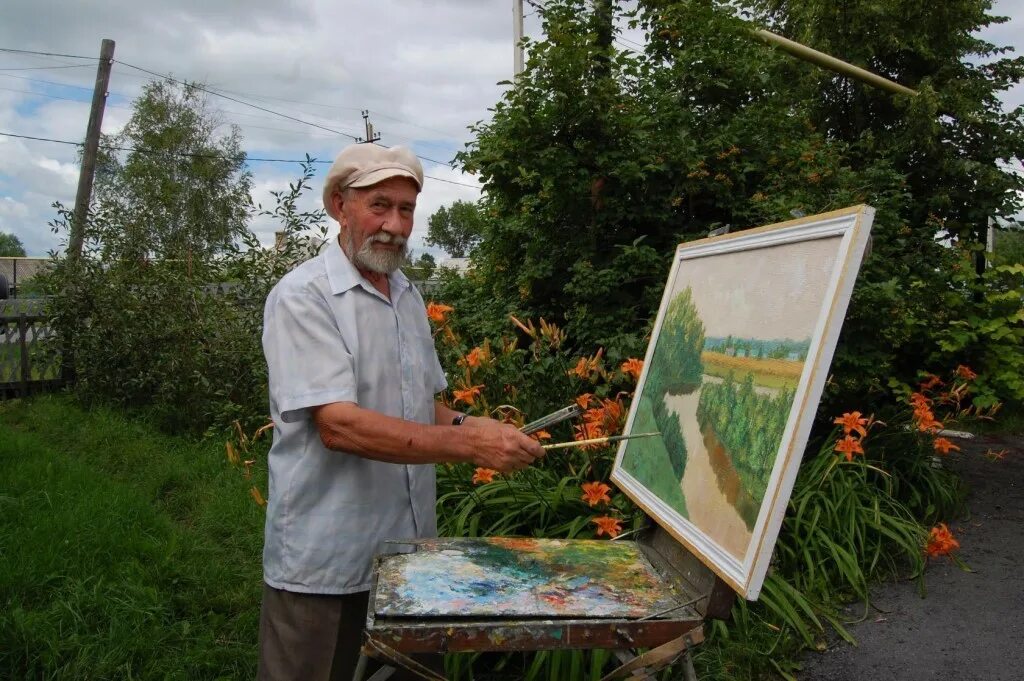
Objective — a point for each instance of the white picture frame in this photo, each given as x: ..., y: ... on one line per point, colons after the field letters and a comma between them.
x: 747, y: 325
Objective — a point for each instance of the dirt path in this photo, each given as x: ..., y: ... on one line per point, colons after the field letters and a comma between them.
x: 970, y: 625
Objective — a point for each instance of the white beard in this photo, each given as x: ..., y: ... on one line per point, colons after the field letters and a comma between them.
x: 366, y: 258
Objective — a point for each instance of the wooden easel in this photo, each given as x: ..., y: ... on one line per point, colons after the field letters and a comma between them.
x: 668, y: 635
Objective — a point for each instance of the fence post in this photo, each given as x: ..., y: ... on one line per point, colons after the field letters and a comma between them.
x: 26, y: 371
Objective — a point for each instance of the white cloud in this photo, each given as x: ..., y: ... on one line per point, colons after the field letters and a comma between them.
x: 425, y: 69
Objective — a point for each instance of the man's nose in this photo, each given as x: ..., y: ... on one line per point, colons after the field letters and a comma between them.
x: 393, y: 222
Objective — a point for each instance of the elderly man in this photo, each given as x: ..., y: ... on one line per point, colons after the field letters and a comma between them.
x: 353, y: 375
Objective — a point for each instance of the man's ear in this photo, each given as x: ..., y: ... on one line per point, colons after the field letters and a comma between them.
x: 337, y: 201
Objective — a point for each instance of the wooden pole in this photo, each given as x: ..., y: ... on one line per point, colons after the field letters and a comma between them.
x: 92, y: 145
x: 831, y: 63
x: 517, y: 35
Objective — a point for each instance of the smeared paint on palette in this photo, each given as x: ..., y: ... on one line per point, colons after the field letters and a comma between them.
x: 508, y: 577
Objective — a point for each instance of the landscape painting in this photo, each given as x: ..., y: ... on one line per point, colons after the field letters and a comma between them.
x: 745, y: 331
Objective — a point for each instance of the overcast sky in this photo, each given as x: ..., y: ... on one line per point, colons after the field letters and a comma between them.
x: 425, y: 69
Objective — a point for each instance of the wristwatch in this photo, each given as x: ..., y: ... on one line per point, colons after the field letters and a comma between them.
x: 457, y: 421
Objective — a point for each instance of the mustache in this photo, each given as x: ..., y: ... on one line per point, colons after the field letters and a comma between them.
x: 385, y: 238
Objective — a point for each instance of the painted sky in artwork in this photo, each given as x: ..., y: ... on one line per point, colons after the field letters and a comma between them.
x: 508, y: 577
x: 780, y: 296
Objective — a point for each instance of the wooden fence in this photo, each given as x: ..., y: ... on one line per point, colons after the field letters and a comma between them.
x: 29, y: 363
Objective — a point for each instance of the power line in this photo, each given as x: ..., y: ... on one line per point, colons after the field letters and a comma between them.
x: 239, y: 101
x: 55, y: 83
x: 631, y: 42
x: 47, y: 68
x: 193, y: 155
x: 47, y: 54
x: 627, y: 48
x: 270, y: 111
x: 49, y: 96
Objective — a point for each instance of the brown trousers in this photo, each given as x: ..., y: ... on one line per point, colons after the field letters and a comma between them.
x: 317, y: 637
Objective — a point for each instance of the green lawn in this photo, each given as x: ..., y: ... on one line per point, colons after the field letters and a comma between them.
x: 123, y: 553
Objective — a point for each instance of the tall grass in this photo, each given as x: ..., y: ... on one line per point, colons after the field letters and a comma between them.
x: 125, y: 554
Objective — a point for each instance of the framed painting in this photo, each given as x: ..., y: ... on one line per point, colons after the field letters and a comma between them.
x: 732, y: 377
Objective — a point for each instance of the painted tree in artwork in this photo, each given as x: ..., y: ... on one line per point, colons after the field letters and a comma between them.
x: 680, y: 343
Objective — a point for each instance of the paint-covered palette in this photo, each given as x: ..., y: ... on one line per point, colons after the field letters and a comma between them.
x: 509, y: 577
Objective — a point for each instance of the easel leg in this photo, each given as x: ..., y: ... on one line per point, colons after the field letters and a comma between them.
x: 360, y: 667
x: 689, y: 673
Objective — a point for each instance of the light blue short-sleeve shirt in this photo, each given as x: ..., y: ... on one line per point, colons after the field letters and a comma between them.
x: 330, y: 336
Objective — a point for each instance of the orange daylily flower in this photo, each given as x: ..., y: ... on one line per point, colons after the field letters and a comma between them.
x: 613, y: 413
x: 965, y: 372
x: 851, y: 421
x: 580, y: 370
x: 482, y: 475
x: 607, y: 525
x: 931, y: 381
x: 849, y: 446
x: 475, y: 358
x: 588, y: 431
x: 584, y: 400
x: 941, y: 542
x: 596, y: 492
x: 608, y: 416
x: 919, y: 400
x: 436, y: 312
x: 468, y: 395
x: 587, y: 365
x: 633, y: 367
x: 541, y: 435
x: 926, y: 422
x: 944, y: 446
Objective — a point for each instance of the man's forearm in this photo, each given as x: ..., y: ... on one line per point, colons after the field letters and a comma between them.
x: 347, y: 427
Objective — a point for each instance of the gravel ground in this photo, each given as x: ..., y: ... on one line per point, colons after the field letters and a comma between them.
x: 970, y: 625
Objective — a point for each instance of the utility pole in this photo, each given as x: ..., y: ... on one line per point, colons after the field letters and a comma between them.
x: 371, y: 136
x: 517, y: 35
x: 92, y: 145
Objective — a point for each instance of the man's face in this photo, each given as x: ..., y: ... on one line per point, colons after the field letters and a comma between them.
x: 376, y: 223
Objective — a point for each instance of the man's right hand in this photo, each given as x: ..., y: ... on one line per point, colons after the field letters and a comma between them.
x: 502, y: 447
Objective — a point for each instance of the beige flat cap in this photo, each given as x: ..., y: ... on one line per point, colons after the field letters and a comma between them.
x: 364, y: 165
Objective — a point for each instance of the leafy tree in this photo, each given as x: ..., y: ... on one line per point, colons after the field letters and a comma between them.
x: 598, y: 161
x: 181, y: 190
x: 457, y: 228
x: 1009, y: 247
x: 953, y: 146
x: 10, y: 246
x: 420, y: 268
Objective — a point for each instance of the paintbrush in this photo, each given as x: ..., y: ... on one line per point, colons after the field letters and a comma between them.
x: 598, y: 440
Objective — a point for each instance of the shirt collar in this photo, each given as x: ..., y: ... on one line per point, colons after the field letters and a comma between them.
x: 343, y: 275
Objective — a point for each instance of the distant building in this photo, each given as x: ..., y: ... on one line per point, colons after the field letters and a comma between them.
x: 460, y: 265
x: 315, y: 244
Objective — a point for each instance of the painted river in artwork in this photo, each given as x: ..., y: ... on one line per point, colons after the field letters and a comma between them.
x: 710, y: 484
